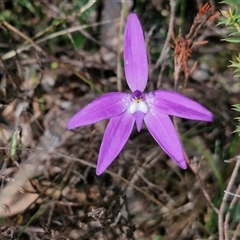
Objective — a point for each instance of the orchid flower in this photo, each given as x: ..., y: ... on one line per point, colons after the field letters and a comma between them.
x: 124, y: 109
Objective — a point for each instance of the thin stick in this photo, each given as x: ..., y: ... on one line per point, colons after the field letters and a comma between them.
x: 205, y: 193
x: 119, y: 55
x: 40, y: 49
x: 12, y: 180
x: 165, y: 48
x: 233, y: 194
x: 236, y: 232
x: 25, y: 47
x: 86, y: 163
x: 224, y: 200
x: 227, y: 218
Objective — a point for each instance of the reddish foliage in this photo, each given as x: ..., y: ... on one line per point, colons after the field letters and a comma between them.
x: 183, y: 46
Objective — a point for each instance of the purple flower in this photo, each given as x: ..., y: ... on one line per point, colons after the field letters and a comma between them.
x: 125, y: 109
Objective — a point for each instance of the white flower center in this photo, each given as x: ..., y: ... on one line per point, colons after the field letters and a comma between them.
x: 138, y: 105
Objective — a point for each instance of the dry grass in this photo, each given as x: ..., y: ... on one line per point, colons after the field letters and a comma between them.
x: 55, y: 58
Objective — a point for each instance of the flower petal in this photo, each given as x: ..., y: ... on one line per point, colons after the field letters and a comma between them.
x: 139, y: 116
x: 161, y: 128
x: 116, y: 135
x: 173, y: 103
x: 135, y: 55
x: 106, y: 106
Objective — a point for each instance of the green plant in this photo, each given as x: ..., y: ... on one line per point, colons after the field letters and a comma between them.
x: 232, y: 22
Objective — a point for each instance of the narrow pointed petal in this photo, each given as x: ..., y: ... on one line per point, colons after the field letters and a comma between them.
x: 175, y: 104
x: 135, y: 55
x: 104, y: 107
x: 161, y: 128
x: 139, y: 119
x: 115, y: 137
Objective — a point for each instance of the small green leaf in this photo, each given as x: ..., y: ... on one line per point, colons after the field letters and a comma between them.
x: 16, y: 138
x: 231, y: 1
x: 232, y: 40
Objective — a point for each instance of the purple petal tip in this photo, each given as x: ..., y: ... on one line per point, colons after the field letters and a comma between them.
x: 99, y: 172
x: 175, y: 104
x: 182, y: 164
x: 116, y: 135
x: 107, y: 106
x: 135, y: 54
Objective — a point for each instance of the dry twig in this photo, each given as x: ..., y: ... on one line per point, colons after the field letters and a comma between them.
x: 223, y: 231
x: 183, y: 46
